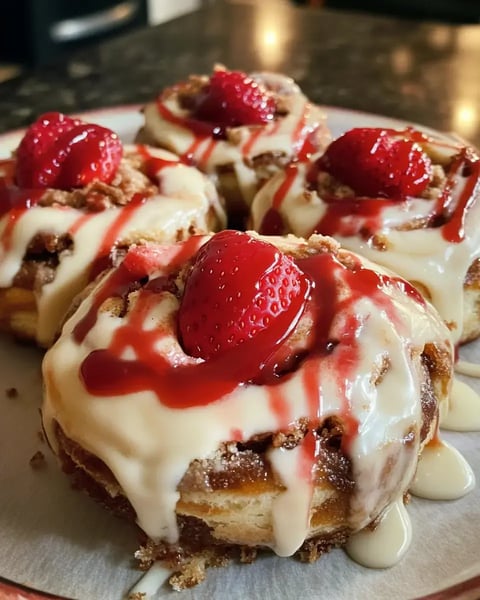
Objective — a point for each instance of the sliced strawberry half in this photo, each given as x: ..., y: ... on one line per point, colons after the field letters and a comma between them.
x: 61, y: 152
x: 232, y: 99
x: 378, y: 163
x: 238, y: 289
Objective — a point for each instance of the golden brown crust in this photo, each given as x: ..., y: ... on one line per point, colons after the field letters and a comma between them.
x: 18, y: 312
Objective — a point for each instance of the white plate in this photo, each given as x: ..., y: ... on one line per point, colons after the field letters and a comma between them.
x: 57, y: 540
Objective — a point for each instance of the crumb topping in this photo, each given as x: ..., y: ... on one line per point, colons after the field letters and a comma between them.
x: 129, y: 180
x: 329, y: 186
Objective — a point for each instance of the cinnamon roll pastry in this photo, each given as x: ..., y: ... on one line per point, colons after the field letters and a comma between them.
x: 403, y: 199
x: 236, y: 127
x: 237, y: 392
x: 72, y: 199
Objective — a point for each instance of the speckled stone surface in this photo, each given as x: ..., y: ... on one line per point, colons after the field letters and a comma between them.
x: 421, y: 72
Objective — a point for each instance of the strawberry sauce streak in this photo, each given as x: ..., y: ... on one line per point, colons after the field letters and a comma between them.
x: 14, y: 202
x: 139, y: 262
x: 305, y: 138
x: 202, y: 131
x: 154, y: 164
x: 272, y: 222
x: 110, y: 238
x: 454, y: 229
x: 290, y: 174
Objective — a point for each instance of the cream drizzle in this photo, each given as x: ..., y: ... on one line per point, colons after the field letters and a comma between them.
x: 291, y: 508
x: 463, y: 412
x: 385, y: 545
x: 442, y: 473
x: 464, y: 367
x: 151, y: 582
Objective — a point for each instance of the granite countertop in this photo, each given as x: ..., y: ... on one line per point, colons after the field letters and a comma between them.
x: 417, y: 71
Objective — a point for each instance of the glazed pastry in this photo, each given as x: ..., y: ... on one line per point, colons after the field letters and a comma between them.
x: 72, y: 199
x: 254, y: 386
x: 238, y: 128
x: 401, y: 198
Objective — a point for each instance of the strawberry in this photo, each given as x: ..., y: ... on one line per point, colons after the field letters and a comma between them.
x: 238, y: 289
x: 232, y: 99
x: 61, y: 152
x: 378, y: 162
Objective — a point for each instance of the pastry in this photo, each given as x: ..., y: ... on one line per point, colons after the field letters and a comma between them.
x: 72, y: 199
x: 401, y: 198
x: 238, y: 128
x: 237, y: 392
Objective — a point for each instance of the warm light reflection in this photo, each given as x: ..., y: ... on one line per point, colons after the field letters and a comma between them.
x: 440, y: 37
x: 270, y: 38
x: 465, y: 118
x: 271, y: 33
x: 402, y: 61
x: 468, y: 39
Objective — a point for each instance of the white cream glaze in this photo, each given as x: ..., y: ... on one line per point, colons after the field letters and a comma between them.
x: 187, y: 199
x: 463, y: 409
x: 385, y: 545
x: 442, y: 473
x: 150, y: 583
x: 291, y: 531
x: 285, y: 135
x: 467, y: 368
x: 419, y: 255
x: 148, y: 446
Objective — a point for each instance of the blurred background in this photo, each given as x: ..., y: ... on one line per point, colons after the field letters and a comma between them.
x: 38, y: 32
x: 452, y: 11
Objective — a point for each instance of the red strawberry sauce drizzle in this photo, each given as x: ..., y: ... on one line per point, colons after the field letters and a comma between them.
x: 203, y: 131
x: 304, y: 138
x: 454, y: 229
x: 290, y: 174
x: 154, y: 164
x: 14, y: 202
x: 105, y: 372
x: 153, y: 167
x: 367, y: 212
x: 102, y: 259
